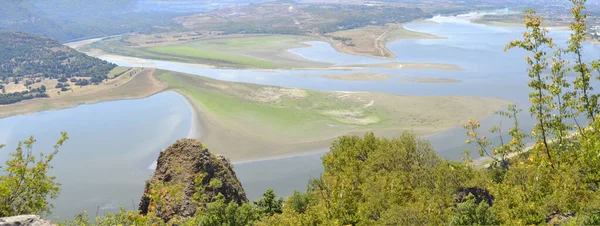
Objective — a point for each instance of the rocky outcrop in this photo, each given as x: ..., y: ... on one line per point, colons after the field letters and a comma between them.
x: 480, y: 194
x: 187, y: 176
x: 557, y: 218
x: 24, y: 220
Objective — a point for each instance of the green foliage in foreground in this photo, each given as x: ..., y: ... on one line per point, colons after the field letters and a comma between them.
x: 24, y: 183
x: 376, y: 181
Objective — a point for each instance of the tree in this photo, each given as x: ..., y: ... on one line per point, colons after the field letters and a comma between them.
x: 499, y: 154
x: 269, y: 204
x: 24, y: 184
x: 375, y: 181
x: 472, y: 213
x: 299, y: 201
x: 219, y: 213
x: 535, y: 41
x: 588, y: 102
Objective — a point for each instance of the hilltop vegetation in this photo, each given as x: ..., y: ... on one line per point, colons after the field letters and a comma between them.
x: 25, y: 55
x: 26, y: 61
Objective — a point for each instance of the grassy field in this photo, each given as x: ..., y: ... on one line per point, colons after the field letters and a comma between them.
x: 296, y: 115
x: 500, y: 20
x: 516, y: 20
x: 372, y: 40
x: 247, y: 121
x: 118, y: 71
x: 265, y: 52
x: 400, y: 33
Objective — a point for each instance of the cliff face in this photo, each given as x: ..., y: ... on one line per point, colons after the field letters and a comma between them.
x: 188, y: 176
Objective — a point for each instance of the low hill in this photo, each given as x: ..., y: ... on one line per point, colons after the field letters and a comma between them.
x: 25, y: 55
x: 70, y: 20
x: 27, y: 59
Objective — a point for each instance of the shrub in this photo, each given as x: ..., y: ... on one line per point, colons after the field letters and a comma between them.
x: 24, y: 183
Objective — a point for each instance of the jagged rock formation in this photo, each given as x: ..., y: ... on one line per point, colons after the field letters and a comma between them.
x: 187, y: 175
x: 24, y: 220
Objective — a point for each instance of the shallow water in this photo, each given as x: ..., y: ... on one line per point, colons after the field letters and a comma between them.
x: 105, y: 162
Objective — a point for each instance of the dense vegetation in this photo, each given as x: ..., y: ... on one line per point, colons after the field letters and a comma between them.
x: 360, y: 16
x: 26, y: 55
x: 376, y: 181
x: 11, y: 98
x: 67, y: 20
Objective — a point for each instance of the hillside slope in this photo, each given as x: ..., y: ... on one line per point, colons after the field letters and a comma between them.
x: 67, y: 20
x: 25, y: 55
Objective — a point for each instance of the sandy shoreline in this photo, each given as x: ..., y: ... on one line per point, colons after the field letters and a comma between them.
x: 196, y: 128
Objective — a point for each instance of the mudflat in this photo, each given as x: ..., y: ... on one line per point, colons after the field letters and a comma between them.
x: 247, y: 121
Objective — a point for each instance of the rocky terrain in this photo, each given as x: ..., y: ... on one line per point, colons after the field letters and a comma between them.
x: 188, y: 176
x: 24, y: 220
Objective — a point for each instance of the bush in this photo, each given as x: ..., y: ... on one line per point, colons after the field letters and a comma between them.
x: 471, y: 213
x: 24, y: 183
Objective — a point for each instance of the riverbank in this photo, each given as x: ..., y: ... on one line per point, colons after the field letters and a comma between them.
x: 140, y: 85
x: 226, y: 51
x: 253, y: 122
x: 262, y: 51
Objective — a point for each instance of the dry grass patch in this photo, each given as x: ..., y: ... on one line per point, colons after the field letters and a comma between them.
x: 372, y: 40
x: 141, y: 84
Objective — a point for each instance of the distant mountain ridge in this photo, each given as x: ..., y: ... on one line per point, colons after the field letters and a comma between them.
x: 70, y: 20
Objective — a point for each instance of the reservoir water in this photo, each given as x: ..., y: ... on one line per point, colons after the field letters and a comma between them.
x: 106, y: 161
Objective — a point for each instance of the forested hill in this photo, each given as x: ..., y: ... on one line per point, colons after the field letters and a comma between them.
x: 70, y: 20
x: 25, y: 55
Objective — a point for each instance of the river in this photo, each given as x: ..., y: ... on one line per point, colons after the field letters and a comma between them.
x: 105, y: 163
